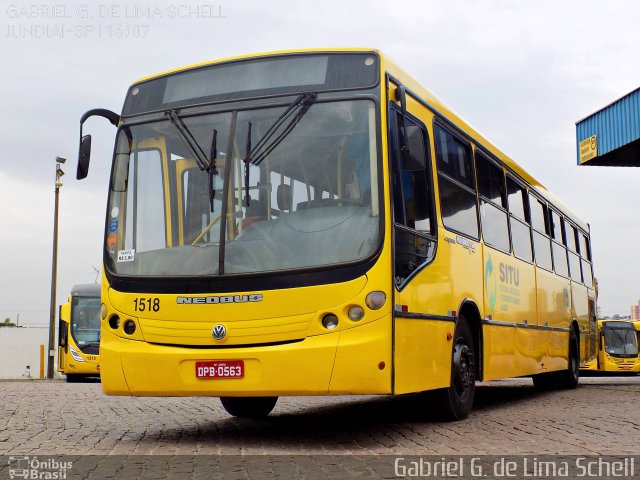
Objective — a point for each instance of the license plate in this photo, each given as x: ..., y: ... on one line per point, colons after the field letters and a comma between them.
x: 220, y: 369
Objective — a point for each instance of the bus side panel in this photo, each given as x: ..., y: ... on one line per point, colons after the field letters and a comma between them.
x: 510, y: 298
x: 499, y: 344
x: 64, y: 335
x: 580, y: 311
x: 422, y: 355
x: 554, y: 310
x: 454, y: 276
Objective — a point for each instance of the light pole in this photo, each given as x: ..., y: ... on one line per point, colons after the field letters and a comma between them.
x: 54, y: 271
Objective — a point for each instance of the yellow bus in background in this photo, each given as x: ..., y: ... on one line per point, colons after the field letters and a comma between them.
x: 618, y: 342
x: 79, y: 333
x: 317, y: 223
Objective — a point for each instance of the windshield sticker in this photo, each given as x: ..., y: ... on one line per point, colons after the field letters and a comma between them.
x: 114, y: 212
x: 126, y: 255
x: 113, y: 225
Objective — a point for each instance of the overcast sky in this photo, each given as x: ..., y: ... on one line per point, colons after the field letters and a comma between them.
x: 521, y: 72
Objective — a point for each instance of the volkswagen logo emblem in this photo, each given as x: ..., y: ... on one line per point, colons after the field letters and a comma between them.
x: 219, y: 332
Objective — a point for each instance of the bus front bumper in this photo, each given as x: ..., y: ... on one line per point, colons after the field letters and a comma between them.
x: 352, y: 361
x: 82, y: 368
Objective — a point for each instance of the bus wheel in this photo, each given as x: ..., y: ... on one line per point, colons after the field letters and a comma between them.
x: 568, y: 379
x: 248, y: 407
x: 544, y: 381
x: 457, y: 400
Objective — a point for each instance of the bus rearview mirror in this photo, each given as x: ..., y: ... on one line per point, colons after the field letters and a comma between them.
x: 84, y: 156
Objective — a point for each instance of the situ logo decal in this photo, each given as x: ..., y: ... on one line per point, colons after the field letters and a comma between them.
x: 254, y: 297
x: 490, y: 284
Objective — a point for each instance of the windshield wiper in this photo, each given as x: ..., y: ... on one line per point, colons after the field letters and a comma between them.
x: 191, y: 143
x: 208, y: 165
x: 268, y: 142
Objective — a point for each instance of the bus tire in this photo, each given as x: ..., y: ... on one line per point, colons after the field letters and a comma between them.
x: 544, y: 381
x: 248, y: 407
x: 457, y: 400
x: 568, y: 379
x: 74, y: 378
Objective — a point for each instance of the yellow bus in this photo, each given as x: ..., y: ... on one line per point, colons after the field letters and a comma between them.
x: 618, y: 342
x: 317, y: 223
x: 79, y: 333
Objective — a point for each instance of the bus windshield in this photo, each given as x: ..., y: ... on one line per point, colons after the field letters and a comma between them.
x: 85, y: 320
x: 307, y: 196
x: 621, y: 341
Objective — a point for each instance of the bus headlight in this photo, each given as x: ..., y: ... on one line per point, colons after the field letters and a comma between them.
x: 330, y: 321
x: 375, y: 300
x: 356, y: 313
x: 76, y: 356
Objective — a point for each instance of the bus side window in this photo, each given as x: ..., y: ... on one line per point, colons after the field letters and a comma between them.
x: 413, y: 209
x: 574, y: 259
x: 456, y: 180
x: 585, y: 253
x: 493, y: 214
x: 519, y: 220
x: 540, y: 224
x: 414, y: 183
x: 557, y: 244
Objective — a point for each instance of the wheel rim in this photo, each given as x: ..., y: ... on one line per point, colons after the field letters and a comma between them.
x: 463, y: 368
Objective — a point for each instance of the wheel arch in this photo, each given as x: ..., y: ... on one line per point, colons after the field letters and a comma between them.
x: 469, y: 309
x: 576, y: 328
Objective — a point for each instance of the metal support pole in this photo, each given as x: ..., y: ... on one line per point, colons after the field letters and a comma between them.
x: 54, y: 271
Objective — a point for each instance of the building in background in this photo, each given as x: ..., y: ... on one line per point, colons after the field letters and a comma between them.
x: 635, y: 311
x: 23, y: 352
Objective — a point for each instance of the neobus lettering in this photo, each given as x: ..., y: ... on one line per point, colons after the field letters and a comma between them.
x: 254, y: 297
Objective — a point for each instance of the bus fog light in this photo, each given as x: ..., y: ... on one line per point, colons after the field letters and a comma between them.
x: 103, y: 311
x: 376, y: 300
x: 330, y: 321
x: 74, y: 353
x: 114, y: 322
x: 356, y: 313
x: 129, y: 327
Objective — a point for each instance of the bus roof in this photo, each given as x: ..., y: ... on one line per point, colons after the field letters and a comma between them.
x: 432, y: 101
x: 437, y: 105
x: 623, y: 324
x: 86, y: 290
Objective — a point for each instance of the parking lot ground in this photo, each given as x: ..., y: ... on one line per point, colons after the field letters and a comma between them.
x: 509, y: 417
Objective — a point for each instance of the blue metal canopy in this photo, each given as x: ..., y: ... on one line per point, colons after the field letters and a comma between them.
x: 611, y: 136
